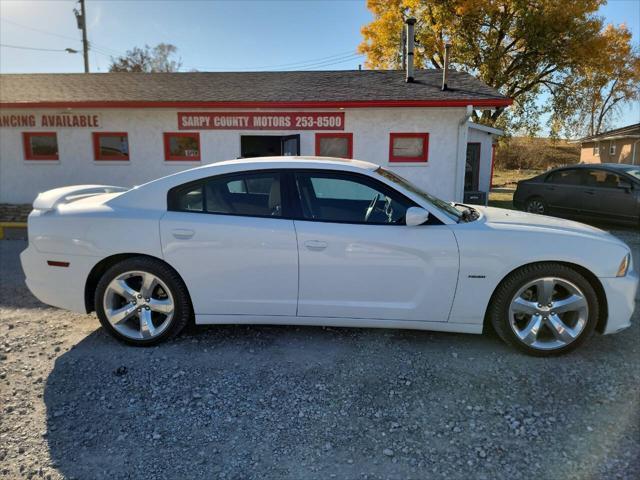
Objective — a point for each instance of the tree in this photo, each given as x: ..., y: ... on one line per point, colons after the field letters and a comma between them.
x: 147, y: 59
x: 522, y: 48
x: 595, y: 95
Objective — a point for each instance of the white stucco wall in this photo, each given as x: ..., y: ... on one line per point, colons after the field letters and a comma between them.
x: 21, y: 181
x: 485, y: 140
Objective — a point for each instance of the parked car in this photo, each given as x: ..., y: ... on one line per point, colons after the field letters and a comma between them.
x: 311, y: 241
x: 608, y: 192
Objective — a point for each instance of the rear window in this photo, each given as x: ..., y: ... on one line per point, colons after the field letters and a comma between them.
x: 565, y: 177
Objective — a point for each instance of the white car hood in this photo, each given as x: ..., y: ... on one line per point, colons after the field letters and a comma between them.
x: 516, y: 220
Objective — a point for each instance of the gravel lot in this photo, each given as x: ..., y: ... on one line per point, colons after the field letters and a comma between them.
x: 290, y: 402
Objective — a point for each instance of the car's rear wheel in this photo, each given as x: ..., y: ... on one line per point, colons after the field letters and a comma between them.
x: 536, y: 205
x: 142, y: 301
x: 545, y: 309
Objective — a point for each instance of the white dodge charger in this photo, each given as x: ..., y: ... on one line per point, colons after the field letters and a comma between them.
x: 310, y: 241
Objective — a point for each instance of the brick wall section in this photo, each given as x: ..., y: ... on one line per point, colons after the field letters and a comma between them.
x: 14, y: 213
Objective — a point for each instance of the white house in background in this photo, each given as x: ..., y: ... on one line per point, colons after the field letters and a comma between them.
x: 481, y: 142
x: 128, y: 128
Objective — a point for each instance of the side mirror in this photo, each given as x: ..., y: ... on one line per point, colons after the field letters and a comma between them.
x: 416, y: 216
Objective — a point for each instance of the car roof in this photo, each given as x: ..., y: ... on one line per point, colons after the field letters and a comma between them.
x: 144, y: 196
x: 297, y: 161
x: 617, y: 166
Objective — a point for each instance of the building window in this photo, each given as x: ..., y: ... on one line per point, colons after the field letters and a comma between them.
x: 182, y: 147
x: 409, y: 147
x: 40, y: 145
x: 612, y: 148
x: 339, y: 145
x: 110, y: 146
x: 596, y: 149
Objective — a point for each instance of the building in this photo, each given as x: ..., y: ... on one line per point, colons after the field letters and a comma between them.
x: 129, y: 128
x: 621, y: 145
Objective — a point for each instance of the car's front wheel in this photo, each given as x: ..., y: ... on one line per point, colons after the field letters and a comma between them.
x: 142, y: 301
x: 545, y: 309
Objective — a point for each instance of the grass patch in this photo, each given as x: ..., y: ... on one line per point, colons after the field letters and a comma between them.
x: 501, y: 200
x: 509, y: 178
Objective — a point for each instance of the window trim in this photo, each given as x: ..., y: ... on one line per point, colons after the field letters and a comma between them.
x: 348, y: 136
x: 291, y: 204
x: 424, y: 158
x: 176, y: 158
x: 596, y: 149
x: 96, y: 147
x: 28, y: 153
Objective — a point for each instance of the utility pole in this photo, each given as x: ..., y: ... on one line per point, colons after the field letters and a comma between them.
x: 81, y: 18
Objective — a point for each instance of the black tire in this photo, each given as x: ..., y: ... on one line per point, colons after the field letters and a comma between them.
x: 498, y: 312
x: 182, y: 311
x: 536, y: 205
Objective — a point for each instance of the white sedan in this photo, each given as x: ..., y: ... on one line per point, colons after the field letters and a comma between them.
x: 312, y: 241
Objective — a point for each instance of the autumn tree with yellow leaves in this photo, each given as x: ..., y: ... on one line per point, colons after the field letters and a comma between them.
x: 522, y: 48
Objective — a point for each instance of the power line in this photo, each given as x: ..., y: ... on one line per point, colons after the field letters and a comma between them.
x: 329, y: 60
x: 101, y: 49
x: 329, y: 64
x: 22, y: 47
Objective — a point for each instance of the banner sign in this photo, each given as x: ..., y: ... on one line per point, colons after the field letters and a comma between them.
x: 54, y: 120
x: 261, y: 120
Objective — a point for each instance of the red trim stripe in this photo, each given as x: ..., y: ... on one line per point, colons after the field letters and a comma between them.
x: 307, y: 104
x: 54, y: 263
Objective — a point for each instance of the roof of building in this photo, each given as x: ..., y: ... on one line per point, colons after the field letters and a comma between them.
x: 622, y: 132
x: 343, y: 88
x: 485, y: 128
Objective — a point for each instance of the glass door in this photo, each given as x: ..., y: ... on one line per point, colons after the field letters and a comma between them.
x: 290, y: 145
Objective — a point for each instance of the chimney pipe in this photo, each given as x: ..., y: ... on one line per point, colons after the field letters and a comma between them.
x: 410, y: 43
x: 445, y: 70
x: 403, y: 48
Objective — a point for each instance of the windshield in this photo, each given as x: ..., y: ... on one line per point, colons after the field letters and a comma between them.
x: 634, y: 172
x: 449, y: 209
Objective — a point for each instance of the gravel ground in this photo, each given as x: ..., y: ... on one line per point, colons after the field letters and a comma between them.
x: 290, y: 402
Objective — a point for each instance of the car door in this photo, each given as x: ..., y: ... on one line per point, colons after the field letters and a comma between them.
x: 228, y: 238
x: 359, y: 260
x: 562, y: 191
x: 608, y: 196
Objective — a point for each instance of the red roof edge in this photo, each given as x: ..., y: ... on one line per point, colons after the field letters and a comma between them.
x: 498, y: 102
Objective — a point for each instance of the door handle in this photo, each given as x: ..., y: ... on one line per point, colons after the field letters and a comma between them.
x: 182, y: 233
x: 315, y: 245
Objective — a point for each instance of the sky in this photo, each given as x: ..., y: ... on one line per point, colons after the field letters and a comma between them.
x: 210, y: 35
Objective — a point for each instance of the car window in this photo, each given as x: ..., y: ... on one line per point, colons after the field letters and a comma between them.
x: 190, y: 199
x: 252, y: 194
x: 602, y: 178
x: 333, y: 197
x: 566, y: 177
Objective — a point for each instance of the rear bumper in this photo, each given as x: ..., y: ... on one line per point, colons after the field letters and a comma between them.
x: 621, y: 299
x: 61, y: 287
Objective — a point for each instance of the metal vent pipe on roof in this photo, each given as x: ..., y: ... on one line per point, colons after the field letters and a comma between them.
x: 445, y: 70
x: 410, y: 44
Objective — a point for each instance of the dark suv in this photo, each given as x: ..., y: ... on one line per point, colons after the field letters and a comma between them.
x: 607, y: 192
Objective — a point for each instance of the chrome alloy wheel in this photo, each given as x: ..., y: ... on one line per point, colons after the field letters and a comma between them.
x: 548, y: 313
x: 535, y: 206
x: 138, y: 305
